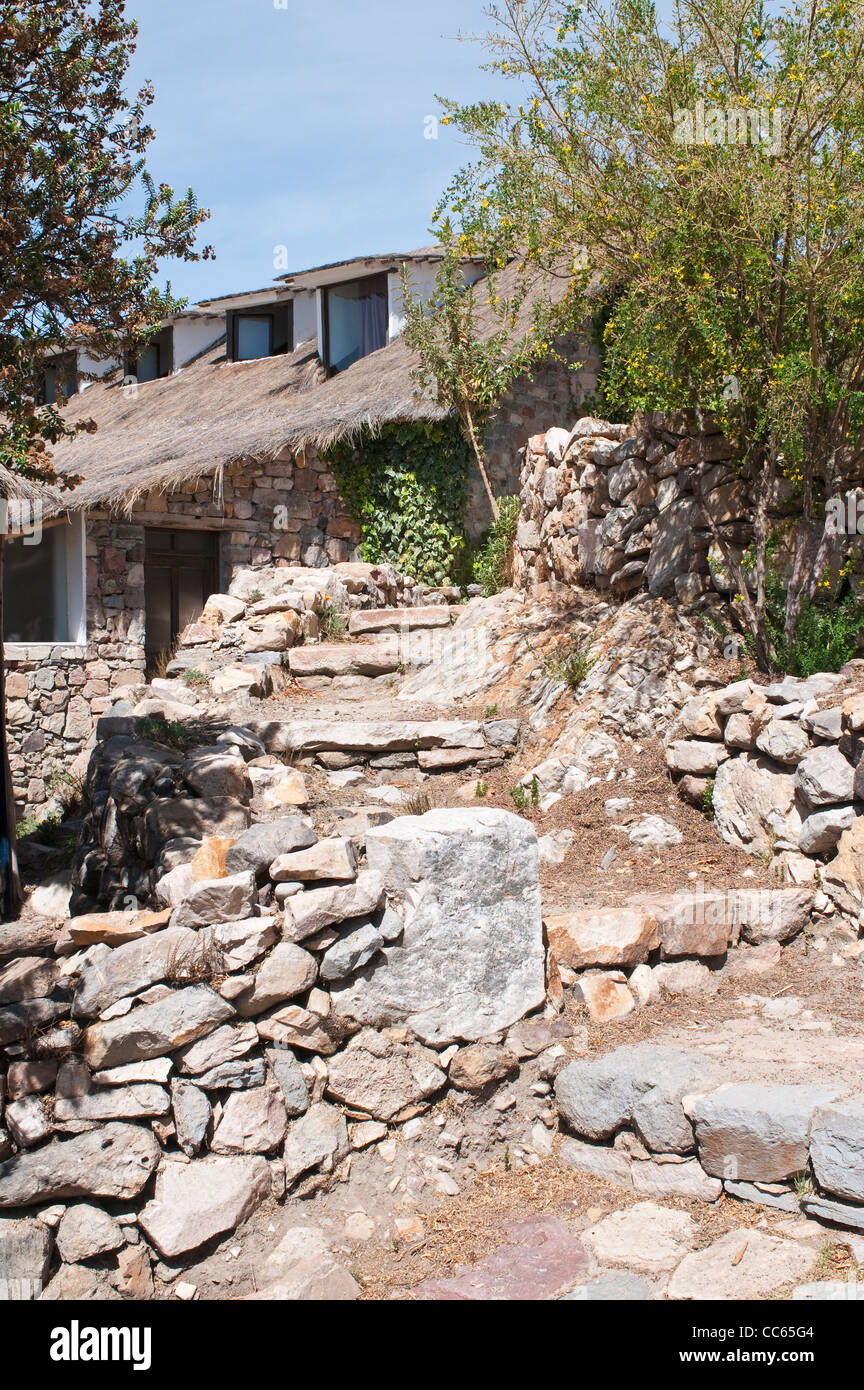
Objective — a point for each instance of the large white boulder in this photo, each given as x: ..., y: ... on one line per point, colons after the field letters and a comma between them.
x: 471, y: 958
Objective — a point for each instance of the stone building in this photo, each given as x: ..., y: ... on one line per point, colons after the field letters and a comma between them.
x: 210, y: 455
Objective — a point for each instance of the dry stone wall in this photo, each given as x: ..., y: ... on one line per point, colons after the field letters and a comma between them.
x: 615, y: 507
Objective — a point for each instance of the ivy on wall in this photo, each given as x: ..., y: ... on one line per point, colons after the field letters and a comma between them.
x: 407, y: 486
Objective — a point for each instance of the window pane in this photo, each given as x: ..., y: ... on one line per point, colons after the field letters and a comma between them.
x: 34, y: 588
x: 253, y: 338
x: 148, y: 364
x: 357, y: 320
x: 59, y: 376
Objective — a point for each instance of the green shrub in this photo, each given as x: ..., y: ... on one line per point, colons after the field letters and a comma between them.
x: 828, y: 633
x: 171, y: 733
x: 407, y: 487
x: 332, y: 625
x: 493, y: 563
x: 572, y: 663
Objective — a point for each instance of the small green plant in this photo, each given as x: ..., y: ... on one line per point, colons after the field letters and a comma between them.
x: 255, y: 597
x: 66, y: 788
x: 506, y: 1158
x: 331, y: 623
x: 520, y: 797
x: 708, y: 799
x: 482, y: 789
x: 170, y: 732
x: 52, y: 833
x: 535, y: 791
x: 829, y: 629
x: 803, y: 1184
x: 38, y: 827
x: 491, y: 711
x: 571, y: 663
x: 493, y: 564
x: 195, y: 678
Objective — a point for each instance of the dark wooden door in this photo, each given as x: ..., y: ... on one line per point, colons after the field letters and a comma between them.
x: 181, y: 571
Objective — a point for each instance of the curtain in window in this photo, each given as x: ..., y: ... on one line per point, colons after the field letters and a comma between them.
x: 373, y: 321
x: 356, y: 319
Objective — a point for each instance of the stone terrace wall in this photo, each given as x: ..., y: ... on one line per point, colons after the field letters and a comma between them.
x: 613, y: 506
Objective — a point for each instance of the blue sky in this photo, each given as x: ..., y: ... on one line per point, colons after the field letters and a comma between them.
x: 303, y: 126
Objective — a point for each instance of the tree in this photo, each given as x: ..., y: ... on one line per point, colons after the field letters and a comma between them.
x: 76, y: 269
x: 708, y: 175
x: 470, y: 353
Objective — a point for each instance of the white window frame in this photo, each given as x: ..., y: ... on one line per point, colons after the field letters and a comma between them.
x: 75, y: 645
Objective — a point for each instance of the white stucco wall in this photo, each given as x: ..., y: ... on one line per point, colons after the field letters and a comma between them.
x: 193, y: 335
x: 422, y: 277
x: 307, y: 317
x: 100, y: 366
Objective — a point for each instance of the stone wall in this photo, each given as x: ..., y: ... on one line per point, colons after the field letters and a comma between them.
x: 626, y: 507
x: 283, y: 511
x: 613, y: 506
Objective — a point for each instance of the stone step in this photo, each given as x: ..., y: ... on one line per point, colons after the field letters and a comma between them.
x: 398, y: 619
x: 345, y: 659
x: 372, y: 737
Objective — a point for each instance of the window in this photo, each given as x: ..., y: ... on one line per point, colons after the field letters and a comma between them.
x: 60, y: 377
x: 155, y: 360
x: 355, y: 320
x: 264, y: 332
x: 43, y: 586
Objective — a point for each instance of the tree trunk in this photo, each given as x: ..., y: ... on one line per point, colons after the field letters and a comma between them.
x: 481, y: 462
x: 12, y: 897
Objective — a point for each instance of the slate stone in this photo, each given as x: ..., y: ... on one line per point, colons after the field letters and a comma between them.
x: 640, y: 1085
x: 756, y: 1133
x: 196, y: 1201
x: 471, y: 959
x: 258, y: 846
x: 182, y: 1017
x: 837, y: 1149
x: 115, y: 1160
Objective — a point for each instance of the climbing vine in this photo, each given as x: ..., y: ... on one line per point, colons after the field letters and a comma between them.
x: 407, y: 486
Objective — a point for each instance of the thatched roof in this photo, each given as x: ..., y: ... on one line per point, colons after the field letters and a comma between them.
x: 169, y: 433
x: 15, y: 488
